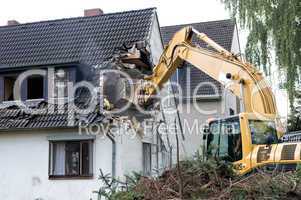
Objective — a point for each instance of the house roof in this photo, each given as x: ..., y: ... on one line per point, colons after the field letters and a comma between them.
x: 89, y: 40
x: 221, y: 32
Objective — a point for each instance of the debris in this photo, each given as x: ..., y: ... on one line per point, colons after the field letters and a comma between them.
x: 107, y: 105
x: 137, y: 55
x: 216, y: 180
x: 134, y: 60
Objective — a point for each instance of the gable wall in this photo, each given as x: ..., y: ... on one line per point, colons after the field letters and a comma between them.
x: 156, y: 44
x: 235, y: 47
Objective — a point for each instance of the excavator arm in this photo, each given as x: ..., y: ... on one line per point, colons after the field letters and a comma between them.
x: 246, y: 81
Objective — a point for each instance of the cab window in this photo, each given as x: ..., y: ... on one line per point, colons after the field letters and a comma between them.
x: 225, y: 140
x: 213, y: 139
x: 263, y: 132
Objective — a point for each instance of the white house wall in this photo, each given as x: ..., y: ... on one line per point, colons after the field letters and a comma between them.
x: 156, y: 45
x: 24, y: 166
x: 230, y: 101
x: 235, y: 47
x: 129, y: 153
x: 193, y: 119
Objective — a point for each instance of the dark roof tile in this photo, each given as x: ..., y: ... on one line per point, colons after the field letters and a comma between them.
x: 90, y: 40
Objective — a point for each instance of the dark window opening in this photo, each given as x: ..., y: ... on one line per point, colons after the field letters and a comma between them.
x: 231, y: 112
x: 9, y: 83
x: 35, y: 87
x: 71, y: 159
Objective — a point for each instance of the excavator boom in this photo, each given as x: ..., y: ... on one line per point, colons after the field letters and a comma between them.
x: 246, y: 81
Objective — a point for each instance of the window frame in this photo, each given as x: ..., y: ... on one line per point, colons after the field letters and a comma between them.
x: 90, y: 175
x: 8, y: 76
x: 61, y: 83
x: 220, y: 143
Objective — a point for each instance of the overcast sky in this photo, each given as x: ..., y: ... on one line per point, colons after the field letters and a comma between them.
x: 170, y: 12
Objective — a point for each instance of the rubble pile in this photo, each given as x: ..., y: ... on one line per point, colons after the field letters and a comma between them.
x: 215, y: 180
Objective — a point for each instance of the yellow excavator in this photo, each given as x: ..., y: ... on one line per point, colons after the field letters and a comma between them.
x: 250, y: 139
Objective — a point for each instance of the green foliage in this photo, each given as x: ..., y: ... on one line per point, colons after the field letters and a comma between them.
x: 127, y: 195
x: 114, y: 189
x: 209, y: 179
x: 274, y: 25
x: 294, y: 120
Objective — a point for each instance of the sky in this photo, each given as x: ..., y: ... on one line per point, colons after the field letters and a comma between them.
x: 170, y: 12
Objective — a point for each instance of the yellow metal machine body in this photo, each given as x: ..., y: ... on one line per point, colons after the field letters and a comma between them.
x: 256, y: 143
x: 253, y: 132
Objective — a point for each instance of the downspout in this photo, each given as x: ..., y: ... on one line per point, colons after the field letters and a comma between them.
x: 111, y: 137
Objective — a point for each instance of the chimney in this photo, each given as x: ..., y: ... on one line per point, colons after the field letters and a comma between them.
x: 12, y: 22
x: 93, y: 12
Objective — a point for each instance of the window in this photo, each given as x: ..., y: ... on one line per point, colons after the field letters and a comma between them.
x: 231, y: 112
x: 263, y: 132
x: 9, y: 83
x: 224, y: 140
x: 35, y: 87
x: 230, y: 140
x: 71, y: 159
x: 61, y: 83
x: 147, y: 159
x: 213, y: 139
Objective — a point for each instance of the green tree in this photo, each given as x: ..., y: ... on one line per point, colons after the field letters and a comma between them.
x: 275, y: 26
x: 294, y: 120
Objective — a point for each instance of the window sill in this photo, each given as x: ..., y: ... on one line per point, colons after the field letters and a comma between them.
x: 19, y: 101
x: 34, y: 100
x: 67, y: 177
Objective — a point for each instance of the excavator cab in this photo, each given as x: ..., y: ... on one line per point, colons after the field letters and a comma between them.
x: 244, y: 140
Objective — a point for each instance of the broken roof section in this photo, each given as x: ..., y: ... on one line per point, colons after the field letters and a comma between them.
x: 81, y: 41
x: 45, y: 115
x: 89, y: 40
x: 221, y: 32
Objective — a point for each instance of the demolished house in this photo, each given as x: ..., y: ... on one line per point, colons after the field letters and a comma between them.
x: 49, y: 149
x: 53, y: 141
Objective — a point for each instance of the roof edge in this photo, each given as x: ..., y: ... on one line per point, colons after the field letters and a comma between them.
x: 79, y: 17
x: 187, y: 24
